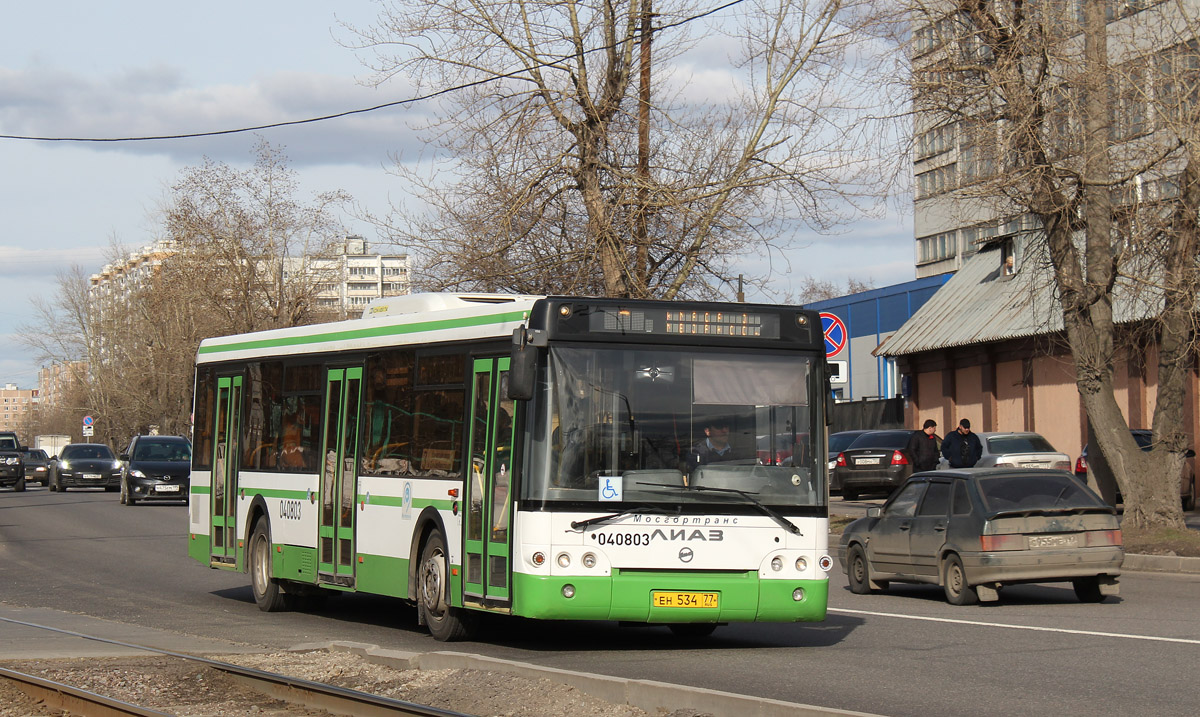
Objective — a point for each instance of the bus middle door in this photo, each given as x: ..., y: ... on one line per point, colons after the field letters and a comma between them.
x: 488, y: 514
x: 339, y: 476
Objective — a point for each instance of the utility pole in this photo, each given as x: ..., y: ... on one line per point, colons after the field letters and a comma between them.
x: 641, y: 230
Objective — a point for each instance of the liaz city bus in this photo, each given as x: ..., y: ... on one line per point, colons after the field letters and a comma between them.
x: 547, y: 457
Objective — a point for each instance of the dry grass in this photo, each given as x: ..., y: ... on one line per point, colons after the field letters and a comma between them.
x: 1162, y: 541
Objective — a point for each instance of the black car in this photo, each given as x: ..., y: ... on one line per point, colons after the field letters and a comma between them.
x: 35, y: 465
x: 12, y: 465
x: 156, y: 468
x: 85, y: 465
x: 1145, y: 440
x: 875, y: 462
x: 973, y: 531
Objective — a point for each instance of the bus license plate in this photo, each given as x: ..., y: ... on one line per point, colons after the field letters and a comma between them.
x: 167, y: 489
x: 684, y: 599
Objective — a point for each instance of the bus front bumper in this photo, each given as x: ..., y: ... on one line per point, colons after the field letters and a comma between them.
x: 631, y: 597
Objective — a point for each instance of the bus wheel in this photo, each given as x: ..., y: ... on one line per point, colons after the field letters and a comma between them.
x: 445, y: 623
x: 267, y: 594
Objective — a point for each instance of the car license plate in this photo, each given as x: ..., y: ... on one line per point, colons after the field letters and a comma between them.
x: 1035, y: 464
x: 867, y: 461
x: 91, y: 476
x: 683, y: 599
x: 1053, y: 541
x: 167, y: 488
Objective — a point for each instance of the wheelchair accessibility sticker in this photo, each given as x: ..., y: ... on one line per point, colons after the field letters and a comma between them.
x: 610, y: 488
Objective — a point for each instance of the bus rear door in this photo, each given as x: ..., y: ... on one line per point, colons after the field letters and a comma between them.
x: 223, y: 510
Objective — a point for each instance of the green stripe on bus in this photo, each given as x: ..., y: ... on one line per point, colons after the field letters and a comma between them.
x: 394, y: 501
x: 366, y: 333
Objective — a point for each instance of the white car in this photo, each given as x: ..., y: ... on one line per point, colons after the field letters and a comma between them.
x: 1018, y: 449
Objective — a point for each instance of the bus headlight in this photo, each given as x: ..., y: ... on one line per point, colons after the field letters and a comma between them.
x: 568, y: 591
x: 798, y: 594
x: 801, y: 564
x: 777, y: 563
x: 589, y: 560
x: 564, y: 560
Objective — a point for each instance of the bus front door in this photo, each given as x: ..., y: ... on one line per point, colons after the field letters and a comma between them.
x: 223, y: 531
x: 339, y: 476
x: 488, y: 517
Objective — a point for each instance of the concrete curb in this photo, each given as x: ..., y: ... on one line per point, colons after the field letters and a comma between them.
x: 647, y: 695
x: 1161, y: 564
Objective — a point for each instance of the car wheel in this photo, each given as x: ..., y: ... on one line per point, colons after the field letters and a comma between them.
x: 954, y: 582
x: 268, y: 595
x: 19, y: 486
x: 859, y: 570
x: 1088, y: 589
x: 445, y: 623
x: 849, y: 495
x: 127, y: 495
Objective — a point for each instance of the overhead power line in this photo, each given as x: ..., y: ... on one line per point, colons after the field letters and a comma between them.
x: 364, y: 110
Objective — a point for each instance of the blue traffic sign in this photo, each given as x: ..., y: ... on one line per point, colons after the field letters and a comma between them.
x: 87, y: 420
x: 835, y: 334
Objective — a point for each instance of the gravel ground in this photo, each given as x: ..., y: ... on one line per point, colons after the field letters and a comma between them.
x: 190, y: 690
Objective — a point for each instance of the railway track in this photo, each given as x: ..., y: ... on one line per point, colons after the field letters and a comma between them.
x: 306, y: 694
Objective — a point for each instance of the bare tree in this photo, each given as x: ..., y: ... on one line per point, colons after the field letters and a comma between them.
x: 239, y: 256
x: 250, y: 242
x: 1053, y: 123
x: 564, y: 172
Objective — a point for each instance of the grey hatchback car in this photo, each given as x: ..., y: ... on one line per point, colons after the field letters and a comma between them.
x: 973, y: 531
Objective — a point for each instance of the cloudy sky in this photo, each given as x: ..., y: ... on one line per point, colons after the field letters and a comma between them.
x: 138, y: 68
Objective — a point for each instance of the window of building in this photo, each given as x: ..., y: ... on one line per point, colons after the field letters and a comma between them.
x: 937, y: 247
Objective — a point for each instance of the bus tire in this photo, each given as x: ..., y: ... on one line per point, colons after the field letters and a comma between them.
x: 268, y: 595
x: 445, y: 623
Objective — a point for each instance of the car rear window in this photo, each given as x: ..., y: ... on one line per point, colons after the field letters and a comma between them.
x: 841, y: 441
x: 1019, y: 444
x: 882, y: 439
x: 1051, y: 490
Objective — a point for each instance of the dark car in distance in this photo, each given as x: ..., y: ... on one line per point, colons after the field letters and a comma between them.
x: 35, y: 465
x: 12, y: 464
x: 973, y: 531
x: 1144, y: 438
x: 156, y: 468
x: 874, y: 462
x: 85, y: 465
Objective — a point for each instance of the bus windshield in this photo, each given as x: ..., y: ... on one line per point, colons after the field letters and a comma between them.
x: 668, y: 425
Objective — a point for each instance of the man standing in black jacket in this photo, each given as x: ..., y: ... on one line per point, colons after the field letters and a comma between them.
x: 923, y: 447
x: 962, y: 448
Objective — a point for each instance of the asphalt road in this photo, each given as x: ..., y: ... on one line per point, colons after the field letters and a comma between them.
x: 904, y: 652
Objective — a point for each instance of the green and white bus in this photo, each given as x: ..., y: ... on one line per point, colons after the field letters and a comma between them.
x: 548, y: 457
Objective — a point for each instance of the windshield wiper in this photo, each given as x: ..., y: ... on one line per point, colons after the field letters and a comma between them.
x: 772, y: 514
x: 581, y: 524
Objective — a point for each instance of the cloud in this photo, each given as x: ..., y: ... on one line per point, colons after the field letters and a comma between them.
x: 154, y: 101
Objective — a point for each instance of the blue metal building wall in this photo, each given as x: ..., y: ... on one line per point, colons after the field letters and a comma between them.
x: 869, y: 317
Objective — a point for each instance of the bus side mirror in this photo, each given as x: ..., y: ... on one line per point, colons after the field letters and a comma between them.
x: 522, y: 367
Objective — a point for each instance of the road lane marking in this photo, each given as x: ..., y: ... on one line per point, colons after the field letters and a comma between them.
x: 1033, y: 628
